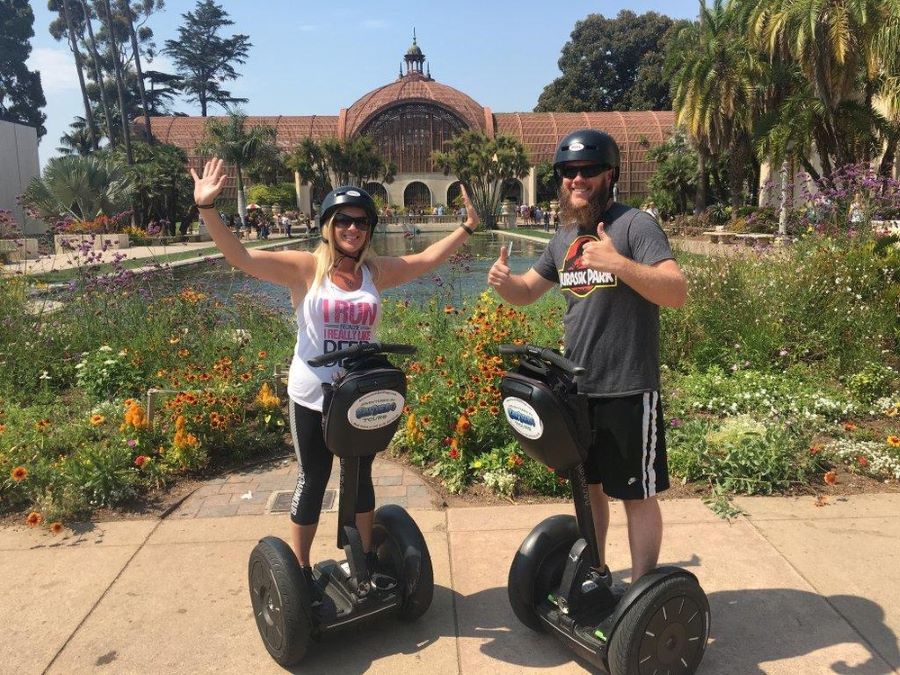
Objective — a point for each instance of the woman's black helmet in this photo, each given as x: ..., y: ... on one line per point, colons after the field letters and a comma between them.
x: 588, y: 145
x: 348, y: 195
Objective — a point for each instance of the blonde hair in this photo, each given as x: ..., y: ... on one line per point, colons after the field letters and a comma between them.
x: 327, y: 255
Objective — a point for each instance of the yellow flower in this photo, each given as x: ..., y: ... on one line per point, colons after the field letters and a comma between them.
x: 97, y: 420
x: 893, y: 441
x: 19, y: 474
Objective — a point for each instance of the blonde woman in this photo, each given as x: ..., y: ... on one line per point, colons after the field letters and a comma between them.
x: 336, y: 296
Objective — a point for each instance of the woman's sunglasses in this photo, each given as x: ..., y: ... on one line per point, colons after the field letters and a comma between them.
x: 343, y: 221
x: 588, y: 171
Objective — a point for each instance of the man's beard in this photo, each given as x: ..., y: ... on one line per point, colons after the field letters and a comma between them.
x: 582, y: 216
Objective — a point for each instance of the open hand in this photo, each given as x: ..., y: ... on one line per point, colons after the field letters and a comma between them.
x: 472, y: 219
x: 207, y: 188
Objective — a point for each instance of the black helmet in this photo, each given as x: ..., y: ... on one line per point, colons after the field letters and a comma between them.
x: 348, y: 195
x: 590, y: 145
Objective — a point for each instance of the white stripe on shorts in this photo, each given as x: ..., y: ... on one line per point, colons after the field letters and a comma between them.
x: 648, y: 438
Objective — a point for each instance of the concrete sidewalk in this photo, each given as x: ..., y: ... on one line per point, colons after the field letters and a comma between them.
x: 793, y: 588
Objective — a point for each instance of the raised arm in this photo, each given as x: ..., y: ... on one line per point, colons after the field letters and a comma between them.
x: 293, y: 269
x: 517, y: 289
x: 395, y: 271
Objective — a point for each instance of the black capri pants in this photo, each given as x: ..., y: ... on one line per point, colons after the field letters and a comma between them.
x: 315, y: 462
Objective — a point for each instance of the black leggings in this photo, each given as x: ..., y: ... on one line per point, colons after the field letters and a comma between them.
x: 315, y: 468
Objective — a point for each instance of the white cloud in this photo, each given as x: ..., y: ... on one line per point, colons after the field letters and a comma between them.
x: 57, y: 68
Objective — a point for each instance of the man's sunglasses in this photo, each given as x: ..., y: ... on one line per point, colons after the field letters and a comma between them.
x: 588, y: 171
x: 343, y: 221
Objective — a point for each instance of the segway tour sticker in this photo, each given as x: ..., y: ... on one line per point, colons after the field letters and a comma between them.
x: 523, y: 418
x: 353, y: 193
x: 376, y: 409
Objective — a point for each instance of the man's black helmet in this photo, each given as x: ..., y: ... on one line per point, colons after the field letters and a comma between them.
x: 348, y: 195
x: 588, y: 145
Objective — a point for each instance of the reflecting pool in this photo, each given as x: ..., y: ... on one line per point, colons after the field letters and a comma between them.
x: 463, y: 277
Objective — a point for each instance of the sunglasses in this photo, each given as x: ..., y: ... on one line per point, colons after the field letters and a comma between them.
x: 343, y: 221
x: 588, y: 171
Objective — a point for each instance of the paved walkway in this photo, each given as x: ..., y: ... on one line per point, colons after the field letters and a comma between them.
x: 794, y: 589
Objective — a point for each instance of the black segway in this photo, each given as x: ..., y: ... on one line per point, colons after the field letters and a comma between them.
x: 362, y: 411
x: 660, y: 624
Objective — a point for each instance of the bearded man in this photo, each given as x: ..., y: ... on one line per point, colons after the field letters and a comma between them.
x: 614, y: 265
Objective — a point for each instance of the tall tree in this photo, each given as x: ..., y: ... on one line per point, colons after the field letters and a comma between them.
x: 98, y: 73
x: 128, y: 15
x: 230, y: 139
x: 77, y: 141
x: 611, y: 64
x: 21, y: 93
x: 69, y: 17
x: 107, y: 16
x: 164, y: 87
x: 483, y: 164
x: 204, y: 59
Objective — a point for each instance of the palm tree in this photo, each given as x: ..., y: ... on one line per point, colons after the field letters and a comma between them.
x: 81, y: 187
x: 832, y: 41
x: 128, y: 16
x: 62, y: 6
x: 715, y: 78
x: 98, y: 72
x: 120, y: 78
x: 229, y: 139
x: 78, y: 141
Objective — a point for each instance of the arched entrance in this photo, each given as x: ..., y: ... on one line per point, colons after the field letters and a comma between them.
x: 454, y: 195
x: 417, y: 197
x: 378, y: 192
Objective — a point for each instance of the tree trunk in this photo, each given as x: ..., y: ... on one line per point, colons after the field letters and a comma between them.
x: 242, y: 204
x: 785, y: 198
x: 137, y: 68
x: 120, y: 83
x: 702, y: 181
x: 79, y: 66
x: 98, y: 74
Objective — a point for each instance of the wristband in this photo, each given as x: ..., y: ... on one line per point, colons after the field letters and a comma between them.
x: 206, y: 206
x: 467, y: 229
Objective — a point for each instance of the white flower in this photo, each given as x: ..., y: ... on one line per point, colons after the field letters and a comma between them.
x: 104, y: 348
x: 45, y: 375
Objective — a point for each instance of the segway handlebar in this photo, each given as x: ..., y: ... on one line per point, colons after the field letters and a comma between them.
x: 544, y: 354
x: 363, y: 349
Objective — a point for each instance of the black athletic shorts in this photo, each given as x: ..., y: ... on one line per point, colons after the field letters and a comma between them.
x: 628, y: 446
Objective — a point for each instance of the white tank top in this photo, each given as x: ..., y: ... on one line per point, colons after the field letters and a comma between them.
x: 329, y: 319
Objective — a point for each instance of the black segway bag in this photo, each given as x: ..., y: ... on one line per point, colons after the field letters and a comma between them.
x: 362, y: 408
x: 548, y: 417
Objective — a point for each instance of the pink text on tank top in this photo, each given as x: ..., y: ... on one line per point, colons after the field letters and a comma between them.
x: 346, y: 323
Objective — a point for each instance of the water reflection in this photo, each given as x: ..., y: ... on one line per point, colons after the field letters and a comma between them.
x: 463, y: 277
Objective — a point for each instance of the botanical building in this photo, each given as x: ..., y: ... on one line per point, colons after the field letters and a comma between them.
x: 415, y: 114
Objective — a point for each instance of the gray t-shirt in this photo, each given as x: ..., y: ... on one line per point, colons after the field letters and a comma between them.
x: 610, y: 330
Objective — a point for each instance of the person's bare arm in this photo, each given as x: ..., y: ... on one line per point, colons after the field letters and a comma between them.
x: 517, y: 289
x: 293, y: 269
x: 395, y: 271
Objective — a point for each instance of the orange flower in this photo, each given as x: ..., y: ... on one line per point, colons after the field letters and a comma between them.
x: 862, y: 460
x: 19, y: 474
x: 893, y: 441
x: 42, y: 425
x: 263, y: 354
x: 245, y: 376
x: 463, y: 424
x: 183, y: 353
x: 449, y: 309
x: 849, y: 426
x: 830, y: 477
x: 56, y: 528
x: 34, y: 519
x: 97, y: 420
x: 140, y: 460
x: 2, y: 428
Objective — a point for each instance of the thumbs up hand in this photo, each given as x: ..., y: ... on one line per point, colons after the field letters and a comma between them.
x: 600, y: 255
x: 498, y: 275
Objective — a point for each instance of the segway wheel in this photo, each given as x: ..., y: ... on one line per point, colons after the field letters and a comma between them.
x: 664, y: 631
x: 400, y: 546
x: 281, y: 602
x: 538, y: 567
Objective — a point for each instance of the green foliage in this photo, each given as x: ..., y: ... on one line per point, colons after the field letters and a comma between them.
x: 160, y: 184
x: 204, y: 59
x: 740, y: 455
x: 873, y: 381
x: 352, y: 162
x: 80, y: 187
x: 105, y: 374
x: 283, y: 195
x: 483, y: 164
x: 612, y: 64
x: 21, y: 94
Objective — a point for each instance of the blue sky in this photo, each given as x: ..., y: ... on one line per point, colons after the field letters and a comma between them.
x: 317, y: 57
